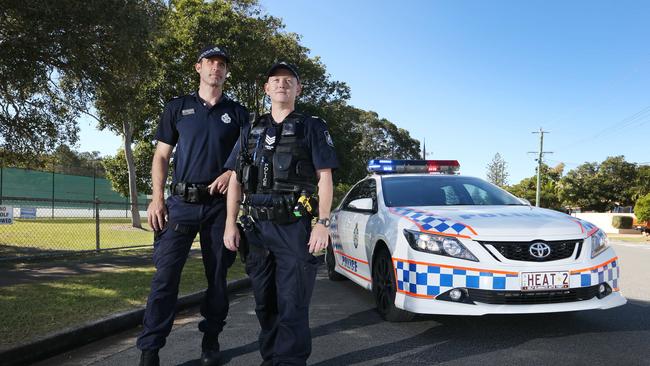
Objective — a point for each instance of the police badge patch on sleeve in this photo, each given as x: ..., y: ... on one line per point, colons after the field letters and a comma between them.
x: 328, y: 138
x: 226, y: 118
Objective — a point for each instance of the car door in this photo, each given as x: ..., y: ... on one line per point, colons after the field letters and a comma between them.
x: 352, y: 219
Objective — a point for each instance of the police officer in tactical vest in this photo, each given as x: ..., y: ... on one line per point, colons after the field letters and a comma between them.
x: 283, y: 168
x: 203, y: 126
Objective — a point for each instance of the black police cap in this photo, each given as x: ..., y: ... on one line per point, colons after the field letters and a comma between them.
x: 212, y: 51
x: 283, y: 65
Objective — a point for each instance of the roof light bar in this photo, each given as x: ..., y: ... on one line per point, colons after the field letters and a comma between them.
x: 385, y: 166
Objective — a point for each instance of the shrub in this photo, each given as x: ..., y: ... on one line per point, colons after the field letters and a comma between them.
x: 642, y: 208
x: 622, y: 222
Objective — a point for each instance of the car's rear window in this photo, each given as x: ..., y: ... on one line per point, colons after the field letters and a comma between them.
x: 443, y: 190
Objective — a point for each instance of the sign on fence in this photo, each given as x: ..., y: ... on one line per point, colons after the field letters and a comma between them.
x: 28, y: 212
x: 6, y: 215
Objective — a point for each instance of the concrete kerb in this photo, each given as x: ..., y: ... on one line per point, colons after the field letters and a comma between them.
x: 70, y: 338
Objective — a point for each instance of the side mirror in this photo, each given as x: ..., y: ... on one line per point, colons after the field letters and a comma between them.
x: 362, y: 204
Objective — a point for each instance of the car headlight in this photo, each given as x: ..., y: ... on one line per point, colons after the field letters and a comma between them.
x: 599, y: 242
x: 437, y: 244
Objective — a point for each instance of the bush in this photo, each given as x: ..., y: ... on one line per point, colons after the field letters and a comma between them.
x: 622, y: 222
x: 642, y: 208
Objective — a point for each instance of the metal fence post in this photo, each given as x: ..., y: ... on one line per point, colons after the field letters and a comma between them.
x: 52, y: 191
x: 94, y: 184
x: 1, y: 180
x: 97, y: 224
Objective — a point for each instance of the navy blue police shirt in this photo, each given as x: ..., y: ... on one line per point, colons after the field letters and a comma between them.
x: 204, y: 136
x: 317, y: 138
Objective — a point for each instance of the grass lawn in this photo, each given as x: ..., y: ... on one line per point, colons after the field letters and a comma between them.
x: 27, y: 237
x: 35, y: 309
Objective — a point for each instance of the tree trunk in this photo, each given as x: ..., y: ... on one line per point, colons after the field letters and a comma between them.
x: 133, y: 189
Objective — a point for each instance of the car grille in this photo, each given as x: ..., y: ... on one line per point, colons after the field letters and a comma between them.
x: 519, y: 251
x: 532, y: 297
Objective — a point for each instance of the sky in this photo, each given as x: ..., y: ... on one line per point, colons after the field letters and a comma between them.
x: 476, y: 78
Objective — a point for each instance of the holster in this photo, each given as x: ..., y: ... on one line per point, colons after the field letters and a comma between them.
x: 244, y: 246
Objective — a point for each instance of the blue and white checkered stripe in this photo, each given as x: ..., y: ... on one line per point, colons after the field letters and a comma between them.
x: 432, y: 280
x: 429, y: 222
x: 609, y: 272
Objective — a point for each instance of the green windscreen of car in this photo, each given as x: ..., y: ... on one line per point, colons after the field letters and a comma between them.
x: 442, y: 190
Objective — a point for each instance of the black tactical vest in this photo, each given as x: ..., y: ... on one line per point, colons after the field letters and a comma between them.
x: 287, y: 167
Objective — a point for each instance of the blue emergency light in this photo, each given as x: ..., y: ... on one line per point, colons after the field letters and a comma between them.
x: 389, y: 166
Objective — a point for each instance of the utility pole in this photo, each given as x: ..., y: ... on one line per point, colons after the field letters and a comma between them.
x: 424, y: 150
x: 540, y: 158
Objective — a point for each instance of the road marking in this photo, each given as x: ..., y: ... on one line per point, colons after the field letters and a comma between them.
x: 631, y: 245
x: 397, y: 356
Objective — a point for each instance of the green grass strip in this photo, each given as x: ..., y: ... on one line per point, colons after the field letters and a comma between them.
x: 36, y: 309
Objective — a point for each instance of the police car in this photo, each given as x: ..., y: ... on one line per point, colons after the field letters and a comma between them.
x: 426, y: 240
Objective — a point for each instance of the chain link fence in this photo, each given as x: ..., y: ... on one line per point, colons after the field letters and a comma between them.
x: 50, y: 227
x: 65, y: 210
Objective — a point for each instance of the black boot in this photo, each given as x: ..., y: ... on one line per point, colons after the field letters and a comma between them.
x: 149, y: 358
x: 210, y: 355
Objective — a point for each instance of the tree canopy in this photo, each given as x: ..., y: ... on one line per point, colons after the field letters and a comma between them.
x: 120, y: 62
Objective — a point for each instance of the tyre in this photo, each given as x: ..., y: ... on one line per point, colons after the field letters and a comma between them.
x: 330, y: 261
x: 383, y: 289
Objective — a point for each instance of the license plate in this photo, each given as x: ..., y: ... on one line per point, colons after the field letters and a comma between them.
x: 544, y: 280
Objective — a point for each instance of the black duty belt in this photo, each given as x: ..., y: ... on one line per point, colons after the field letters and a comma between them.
x: 276, y: 207
x: 193, y: 193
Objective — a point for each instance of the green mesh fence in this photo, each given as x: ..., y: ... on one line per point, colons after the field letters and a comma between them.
x: 55, y: 187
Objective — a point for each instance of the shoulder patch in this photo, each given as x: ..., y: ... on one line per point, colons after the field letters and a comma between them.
x: 328, y: 138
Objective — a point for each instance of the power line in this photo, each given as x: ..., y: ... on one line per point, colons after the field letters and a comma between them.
x: 628, y: 121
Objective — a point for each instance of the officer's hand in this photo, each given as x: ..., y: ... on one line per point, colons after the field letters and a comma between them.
x: 157, y: 214
x: 318, y: 239
x: 231, y: 237
x: 221, y: 183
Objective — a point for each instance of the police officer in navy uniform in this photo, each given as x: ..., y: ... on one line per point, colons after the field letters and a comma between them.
x: 280, y: 164
x: 203, y: 126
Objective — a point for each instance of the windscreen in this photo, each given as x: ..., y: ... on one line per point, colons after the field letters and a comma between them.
x: 442, y: 190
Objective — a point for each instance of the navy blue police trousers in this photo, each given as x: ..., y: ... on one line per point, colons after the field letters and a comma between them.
x: 283, y: 273
x: 171, y: 249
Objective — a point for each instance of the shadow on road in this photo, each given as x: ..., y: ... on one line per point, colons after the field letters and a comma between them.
x: 456, y: 337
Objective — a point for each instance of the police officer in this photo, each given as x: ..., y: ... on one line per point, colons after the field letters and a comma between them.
x: 285, y: 158
x: 203, y: 126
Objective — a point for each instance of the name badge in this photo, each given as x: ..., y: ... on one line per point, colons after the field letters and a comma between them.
x: 187, y: 112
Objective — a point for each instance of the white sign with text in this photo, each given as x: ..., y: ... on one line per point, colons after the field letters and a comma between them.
x: 6, y: 215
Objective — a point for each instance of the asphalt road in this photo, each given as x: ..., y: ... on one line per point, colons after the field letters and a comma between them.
x: 347, y: 331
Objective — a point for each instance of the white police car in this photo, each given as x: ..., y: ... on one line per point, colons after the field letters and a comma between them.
x: 449, y: 244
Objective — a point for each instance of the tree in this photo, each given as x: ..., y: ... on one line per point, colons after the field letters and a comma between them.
x: 550, y: 189
x: 496, y: 171
x: 117, y: 172
x: 642, y: 208
x: 642, y: 184
x: 60, y: 58
x: 600, y: 187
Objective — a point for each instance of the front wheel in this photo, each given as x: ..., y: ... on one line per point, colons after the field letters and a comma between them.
x: 383, y: 289
x: 330, y: 261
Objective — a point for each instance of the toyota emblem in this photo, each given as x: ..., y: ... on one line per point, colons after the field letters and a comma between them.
x: 539, y: 250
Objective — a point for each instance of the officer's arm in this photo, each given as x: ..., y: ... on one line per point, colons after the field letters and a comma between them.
x: 159, y: 168
x: 320, y: 234
x: 231, y: 233
x: 325, y: 192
